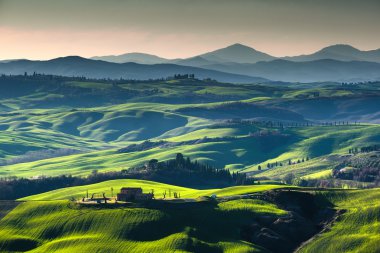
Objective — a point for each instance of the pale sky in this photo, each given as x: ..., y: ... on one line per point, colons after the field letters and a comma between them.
x: 45, y: 29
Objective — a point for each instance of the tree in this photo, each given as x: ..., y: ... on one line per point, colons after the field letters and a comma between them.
x: 259, y: 167
x: 179, y: 159
x: 289, y: 178
x: 153, y: 164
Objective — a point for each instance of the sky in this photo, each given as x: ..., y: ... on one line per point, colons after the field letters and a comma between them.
x: 45, y: 29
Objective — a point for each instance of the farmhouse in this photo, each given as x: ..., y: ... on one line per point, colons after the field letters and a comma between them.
x: 131, y: 193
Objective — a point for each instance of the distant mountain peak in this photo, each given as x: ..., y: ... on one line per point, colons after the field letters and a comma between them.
x: 238, y: 45
x: 340, y: 52
x: 136, y: 57
x: 237, y: 53
x: 69, y: 58
x: 340, y: 48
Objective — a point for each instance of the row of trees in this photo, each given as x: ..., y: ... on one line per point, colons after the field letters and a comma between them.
x: 280, y: 164
x: 329, y: 182
x: 366, y: 149
x: 184, y: 76
x: 14, y: 188
x: 58, y: 78
x: 179, y: 171
x: 367, y: 174
x: 290, y: 124
x: 182, y: 171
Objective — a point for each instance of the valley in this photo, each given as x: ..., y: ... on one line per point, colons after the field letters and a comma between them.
x: 252, y: 155
x: 189, y: 126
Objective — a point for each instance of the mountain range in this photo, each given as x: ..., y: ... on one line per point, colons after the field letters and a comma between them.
x: 132, y: 57
x: 78, y: 66
x: 238, y: 53
x: 340, y: 53
x: 236, y: 63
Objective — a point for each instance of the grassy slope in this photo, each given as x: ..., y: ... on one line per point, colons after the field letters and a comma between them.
x: 359, y: 228
x: 60, y: 226
x: 159, y: 188
x: 316, y: 142
x: 89, y: 129
x: 242, y: 153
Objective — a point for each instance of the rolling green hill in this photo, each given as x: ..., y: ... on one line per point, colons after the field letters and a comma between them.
x: 40, y: 225
x: 57, y: 226
x: 147, y: 186
x: 62, y: 226
x: 357, y: 230
x: 240, y: 153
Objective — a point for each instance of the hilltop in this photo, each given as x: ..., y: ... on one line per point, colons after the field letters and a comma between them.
x: 260, y: 220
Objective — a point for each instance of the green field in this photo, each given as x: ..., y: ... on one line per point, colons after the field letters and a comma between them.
x: 45, y: 224
x: 234, y: 126
x: 147, y: 186
x: 245, y: 152
x: 44, y: 118
x: 55, y: 226
x: 358, y: 230
x: 50, y: 224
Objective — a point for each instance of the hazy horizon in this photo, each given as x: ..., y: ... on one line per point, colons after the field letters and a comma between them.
x: 42, y: 29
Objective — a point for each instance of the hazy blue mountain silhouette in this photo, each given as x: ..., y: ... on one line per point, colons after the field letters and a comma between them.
x: 132, y: 57
x: 310, y: 71
x: 340, y: 52
x: 78, y: 66
x: 237, y: 53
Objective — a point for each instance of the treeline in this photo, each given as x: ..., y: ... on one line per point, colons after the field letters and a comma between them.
x: 363, y: 168
x: 364, y: 149
x: 180, y: 171
x: 289, y: 124
x: 14, y: 188
x: 58, y: 78
x: 146, y: 145
x: 328, y: 182
x: 280, y: 164
x: 333, y: 183
x: 17, y: 86
x: 184, y: 172
x: 367, y: 174
x: 357, y: 84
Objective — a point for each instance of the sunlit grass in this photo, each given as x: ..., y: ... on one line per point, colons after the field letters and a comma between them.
x: 359, y: 228
x: 147, y: 186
